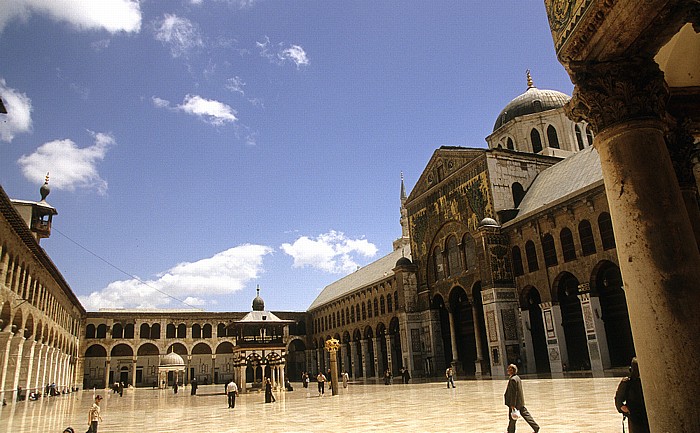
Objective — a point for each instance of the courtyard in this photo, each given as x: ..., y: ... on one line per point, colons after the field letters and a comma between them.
x: 558, y: 405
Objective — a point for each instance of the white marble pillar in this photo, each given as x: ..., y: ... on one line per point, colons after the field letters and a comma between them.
x: 353, y: 359
x: 554, y: 332
x: 46, y: 365
x: 28, y: 382
x: 133, y: 371
x: 595, y: 332
x: 108, y: 361
x: 529, y: 358
x: 477, y: 339
x: 365, y: 357
x: 453, y: 340
x: 18, y: 365
x: 389, y: 348
x: 378, y: 371
x: 5, y: 347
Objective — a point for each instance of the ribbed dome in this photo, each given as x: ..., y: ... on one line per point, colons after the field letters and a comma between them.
x: 532, y: 101
x: 488, y: 222
x: 171, y: 359
x: 258, y: 303
x: 403, y: 261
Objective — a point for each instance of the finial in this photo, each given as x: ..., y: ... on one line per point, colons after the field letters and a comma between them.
x: 258, y: 289
x: 45, y: 190
x: 403, y: 188
x: 530, y: 85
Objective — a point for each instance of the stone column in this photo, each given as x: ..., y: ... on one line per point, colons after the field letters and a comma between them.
x: 3, y: 267
x: 595, y: 332
x: 528, y: 357
x: 46, y: 366
x: 453, y: 340
x: 353, y: 359
x: 133, y: 371
x: 107, y: 368
x: 556, y: 343
x: 332, y: 348
x: 365, y: 355
x: 477, y: 338
x: 378, y: 372
x: 389, y: 348
x: 36, y: 375
x: 18, y: 365
x: 213, y: 367
x: 344, y: 356
x: 28, y: 383
x: 5, y: 345
x: 659, y: 258
x: 79, y: 372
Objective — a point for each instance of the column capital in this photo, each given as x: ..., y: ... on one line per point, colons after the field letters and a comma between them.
x: 607, y: 93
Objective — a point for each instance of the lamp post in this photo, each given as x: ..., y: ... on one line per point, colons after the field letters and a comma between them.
x: 332, y: 346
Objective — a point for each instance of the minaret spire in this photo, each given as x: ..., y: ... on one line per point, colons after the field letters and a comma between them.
x: 530, y: 84
x: 403, y: 190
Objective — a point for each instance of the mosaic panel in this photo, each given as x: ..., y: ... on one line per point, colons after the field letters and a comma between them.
x: 491, y: 323
x: 510, y: 328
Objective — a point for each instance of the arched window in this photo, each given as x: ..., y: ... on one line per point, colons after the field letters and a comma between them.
x: 196, y: 331
x: 510, y: 144
x: 369, y: 308
x: 102, y: 331
x: 333, y: 320
x: 396, y: 300
x: 579, y: 138
x: 606, y: 231
x: 517, y: 262
x: 518, y: 193
x: 549, y: 250
x: 206, y: 331
x: 382, y: 306
x: 389, y: 305
x: 469, y: 253
x: 181, y: 331
x: 454, y: 266
x: 220, y: 330
x: 567, y: 245
x: 155, y: 331
x: 586, y: 235
x: 352, y: 313
x: 437, y: 264
x: 170, y: 331
x: 536, y: 141
x: 531, y: 255
x: 117, y: 331
x: 129, y: 330
x: 364, y: 311
x: 357, y: 313
x: 145, y: 331
x: 90, y: 331
x: 589, y: 135
x: 552, y: 137
x: 376, y: 307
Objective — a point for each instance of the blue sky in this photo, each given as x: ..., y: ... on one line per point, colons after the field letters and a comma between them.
x: 202, y: 147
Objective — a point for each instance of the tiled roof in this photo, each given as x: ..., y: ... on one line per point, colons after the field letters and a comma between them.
x: 262, y: 316
x: 566, y: 178
x: 365, y: 276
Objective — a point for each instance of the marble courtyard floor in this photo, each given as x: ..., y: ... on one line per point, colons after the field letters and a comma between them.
x: 558, y: 405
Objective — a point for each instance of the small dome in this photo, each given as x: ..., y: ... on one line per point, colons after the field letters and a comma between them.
x: 532, y: 101
x: 258, y: 303
x: 171, y: 359
x: 488, y: 222
x: 403, y: 261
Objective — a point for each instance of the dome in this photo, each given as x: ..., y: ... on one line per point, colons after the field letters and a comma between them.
x: 532, y: 101
x: 488, y: 222
x: 258, y: 303
x: 171, y: 359
x: 403, y: 261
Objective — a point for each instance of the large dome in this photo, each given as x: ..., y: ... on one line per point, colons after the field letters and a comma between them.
x: 172, y: 359
x: 534, y: 100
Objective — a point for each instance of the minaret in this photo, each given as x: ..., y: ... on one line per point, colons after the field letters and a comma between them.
x: 37, y: 215
x: 404, y: 239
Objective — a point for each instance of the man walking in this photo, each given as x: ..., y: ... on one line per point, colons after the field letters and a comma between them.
x: 321, y: 379
x: 232, y: 391
x: 515, y: 399
x: 450, y: 374
x: 94, y: 415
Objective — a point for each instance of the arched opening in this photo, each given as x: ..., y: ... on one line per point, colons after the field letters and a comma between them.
x: 95, y: 367
x: 439, y: 305
x: 613, y: 303
x: 117, y: 331
x: 579, y: 138
x: 536, y: 328
x: 383, y: 364
x: 572, y: 322
x: 129, y: 331
x: 101, y: 331
x: 517, y: 260
x: 357, y: 346
x: 483, y: 338
x: 585, y: 234
x: 89, y: 331
x: 509, y: 144
x: 201, y: 365
x: 454, y: 265
x: 196, y: 331
x: 531, y: 255
x: 552, y: 137
x: 144, y: 331
x: 549, y: 250
x: 181, y: 331
x: 567, y: 244
x: 155, y: 331
x: 463, y: 320
x: 536, y: 141
x: 605, y: 227
x: 395, y: 341
x: 518, y: 194
x: 369, y: 363
x: 296, y: 358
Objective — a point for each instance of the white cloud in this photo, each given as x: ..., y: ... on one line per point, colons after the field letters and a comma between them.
x: 70, y: 166
x: 235, y: 84
x: 179, y: 33
x: 223, y: 274
x: 160, y: 103
x: 330, y: 252
x: 210, y: 111
x: 110, y: 15
x: 19, y: 112
x: 100, y: 45
x: 296, y: 54
x: 279, y: 54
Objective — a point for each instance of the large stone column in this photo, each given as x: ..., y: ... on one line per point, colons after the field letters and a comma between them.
x: 353, y: 359
x: 659, y: 259
x: 595, y: 330
x: 378, y: 361
x: 5, y: 345
x: 389, y: 348
x: 365, y: 356
x: 556, y: 342
x: 453, y: 341
x: 477, y: 338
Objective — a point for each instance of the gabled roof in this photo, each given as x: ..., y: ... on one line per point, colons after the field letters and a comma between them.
x: 581, y: 171
x: 457, y: 156
x: 363, y: 277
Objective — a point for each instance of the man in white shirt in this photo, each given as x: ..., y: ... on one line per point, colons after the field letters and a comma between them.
x: 232, y: 391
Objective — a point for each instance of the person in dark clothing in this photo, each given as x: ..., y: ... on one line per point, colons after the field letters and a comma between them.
x: 193, y: 384
x: 405, y: 375
x: 120, y: 388
x: 629, y: 401
x: 515, y: 399
x: 269, y: 397
x: 175, y: 387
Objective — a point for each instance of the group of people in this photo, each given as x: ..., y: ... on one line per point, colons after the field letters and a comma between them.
x: 118, y: 388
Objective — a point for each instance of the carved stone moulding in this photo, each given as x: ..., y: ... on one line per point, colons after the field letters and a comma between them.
x: 608, y: 93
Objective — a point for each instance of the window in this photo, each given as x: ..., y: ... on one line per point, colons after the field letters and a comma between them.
x: 549, y: 250
x: 518, y: 194
x: 144, y: 331
x: 389, y: 304
x: 606, y: 231
x: 396, y: 300
x: 155, y: 331
x: 369, y: 309
x: 129, y: 331
x: 586, y: 235
x: 352, y: 313
x: 357, y: 313
x: 170, y: 331
x: 90, y: 331
x: 454, y: 266
x: 589, y: 135
x: 196, y: 331
x: 510, y: 144
x: 220, y: 330
x: 437, y: 264
x: 469, y: 252
x: 102, y: 331
x: 536, y: 141
x: 206, y: 331
x: 579, y: 138
x: 181, y: 331
x: 552, y: 137
x: 382, y: 306
x: 567, y: 245
x: 364, y: 312
x: 517, y: 262
x: 531, y: 256
x: 376, y: 307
